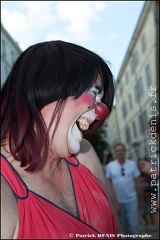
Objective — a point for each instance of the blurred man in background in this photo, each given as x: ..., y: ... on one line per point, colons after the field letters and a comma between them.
x: 125, y: 178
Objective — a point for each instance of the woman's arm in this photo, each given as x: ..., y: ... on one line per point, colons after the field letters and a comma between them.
x: 89, y: 159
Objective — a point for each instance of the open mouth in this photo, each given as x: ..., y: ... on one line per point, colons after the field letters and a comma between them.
x: 83, y: 124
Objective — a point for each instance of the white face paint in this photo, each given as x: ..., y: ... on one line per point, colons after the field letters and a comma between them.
x: 87, y: 101
x: 77, y: 115
x: 75, y: 133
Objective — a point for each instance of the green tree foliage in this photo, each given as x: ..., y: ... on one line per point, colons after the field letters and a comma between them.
x: 98, y: 143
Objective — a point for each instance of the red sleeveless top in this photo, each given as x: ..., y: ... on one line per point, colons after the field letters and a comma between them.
x: 41, y: 219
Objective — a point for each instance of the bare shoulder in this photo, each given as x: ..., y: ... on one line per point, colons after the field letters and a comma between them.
x: 87, y: 155
x: 9, y: 212
x: 89, y: 158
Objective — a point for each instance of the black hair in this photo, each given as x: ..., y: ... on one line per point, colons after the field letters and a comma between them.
x: 44, y: 73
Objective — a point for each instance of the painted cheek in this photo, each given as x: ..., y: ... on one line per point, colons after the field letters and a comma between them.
x: 86, y: 99
x: 101, y: 111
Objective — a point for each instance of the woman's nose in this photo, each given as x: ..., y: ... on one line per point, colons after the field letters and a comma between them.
x: 101, y: 111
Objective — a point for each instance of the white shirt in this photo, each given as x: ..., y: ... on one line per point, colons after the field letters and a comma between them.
x: 124, y: 186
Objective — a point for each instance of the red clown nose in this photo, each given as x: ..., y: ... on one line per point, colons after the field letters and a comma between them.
x: 101, y: 111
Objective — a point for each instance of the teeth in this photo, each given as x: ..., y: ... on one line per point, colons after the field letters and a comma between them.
x: 83, y: 124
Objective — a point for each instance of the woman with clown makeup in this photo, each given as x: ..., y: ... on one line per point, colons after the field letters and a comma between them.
x: 52, y: 181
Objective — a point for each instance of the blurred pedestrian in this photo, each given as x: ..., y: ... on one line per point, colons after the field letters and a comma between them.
x: 125, y: 178
x: 146, y: 215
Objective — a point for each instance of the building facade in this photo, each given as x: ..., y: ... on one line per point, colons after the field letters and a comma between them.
x: 9, y: 53
x: 136, y: 94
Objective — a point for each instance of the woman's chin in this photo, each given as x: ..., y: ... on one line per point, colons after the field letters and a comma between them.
x: 74, y: 149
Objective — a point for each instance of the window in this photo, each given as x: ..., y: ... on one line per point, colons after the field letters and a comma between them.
x: 130, y: 101
x: 143, y: 43
x: 12, y: 58
x: 128, y: 135
x: 140, y: 86
x: 121, y: 90
x: 134, y: 62
x: 145, y: 119
x: 138, y: 89
x: 148, y: 75
x: 141, y: 125
x: 134, y: 129
x: 124, y: 110
x: 127, y: 78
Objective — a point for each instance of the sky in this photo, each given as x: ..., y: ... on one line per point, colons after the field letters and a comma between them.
x: 105, y: 27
